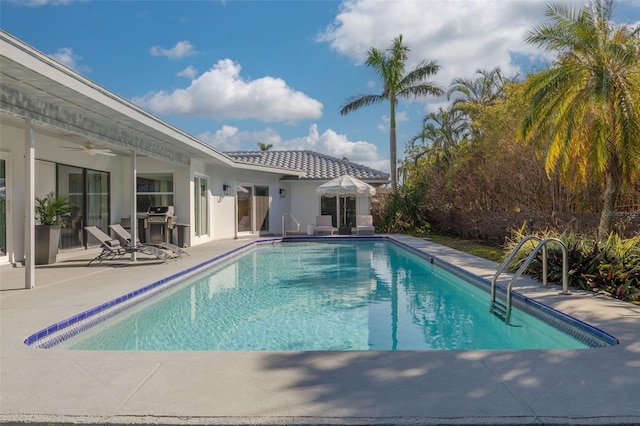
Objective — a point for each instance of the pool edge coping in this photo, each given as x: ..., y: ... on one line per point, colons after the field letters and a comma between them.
x: 54, y: 334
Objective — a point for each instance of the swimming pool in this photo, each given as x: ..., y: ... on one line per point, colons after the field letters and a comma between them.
x: 324, y: 295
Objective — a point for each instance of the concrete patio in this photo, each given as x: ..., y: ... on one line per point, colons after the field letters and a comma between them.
x: 38, y: 386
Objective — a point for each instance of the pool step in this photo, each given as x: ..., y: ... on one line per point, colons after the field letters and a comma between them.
x: 499, y: 309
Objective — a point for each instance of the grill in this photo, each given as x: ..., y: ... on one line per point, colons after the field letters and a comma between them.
x: 159, y: 223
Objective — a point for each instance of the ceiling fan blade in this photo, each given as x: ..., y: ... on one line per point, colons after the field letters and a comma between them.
x: 104, y: 152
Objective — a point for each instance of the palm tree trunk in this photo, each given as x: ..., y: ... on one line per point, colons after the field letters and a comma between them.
x: 613, y: 182
x: 392, y: 146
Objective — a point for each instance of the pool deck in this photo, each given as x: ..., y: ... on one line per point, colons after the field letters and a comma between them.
x: 39, y: 386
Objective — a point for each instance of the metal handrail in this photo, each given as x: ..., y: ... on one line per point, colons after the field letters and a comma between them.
x: 541, y: 246
x: 505, y: 263
x: 284, y: 231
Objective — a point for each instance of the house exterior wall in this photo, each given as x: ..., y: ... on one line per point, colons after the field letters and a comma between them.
x: 307, y: 203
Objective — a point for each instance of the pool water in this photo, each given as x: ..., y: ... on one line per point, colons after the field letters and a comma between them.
x: 364, y: 295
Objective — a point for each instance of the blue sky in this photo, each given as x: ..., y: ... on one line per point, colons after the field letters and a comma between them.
x: 237, y: 73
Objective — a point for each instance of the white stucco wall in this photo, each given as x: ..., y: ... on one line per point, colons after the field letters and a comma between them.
x: 306, y: 203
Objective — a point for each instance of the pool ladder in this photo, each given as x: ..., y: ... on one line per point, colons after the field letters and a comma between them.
x: 293, y: 218
x: 503, y: 310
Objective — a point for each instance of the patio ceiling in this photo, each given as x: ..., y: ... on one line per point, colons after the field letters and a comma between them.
x: 34, y: 86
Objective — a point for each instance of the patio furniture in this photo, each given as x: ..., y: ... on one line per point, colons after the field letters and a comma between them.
x: 323, y: 225
x: 125, y: 240
x: 364, y: 225
x: 112, y: 249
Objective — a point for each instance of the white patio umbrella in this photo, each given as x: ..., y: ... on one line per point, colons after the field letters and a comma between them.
x: 345, y: 186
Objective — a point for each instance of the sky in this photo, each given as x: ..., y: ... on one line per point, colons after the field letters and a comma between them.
x: 239, y: 73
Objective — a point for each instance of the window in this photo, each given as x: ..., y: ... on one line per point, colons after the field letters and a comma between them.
x: 328, y: 206
x: 153, y: 189
x: 201, y: 200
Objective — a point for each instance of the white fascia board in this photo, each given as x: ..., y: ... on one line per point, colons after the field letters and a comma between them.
x: 268, y: 169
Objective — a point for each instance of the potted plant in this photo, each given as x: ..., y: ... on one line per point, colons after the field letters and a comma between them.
x: 49, y: 209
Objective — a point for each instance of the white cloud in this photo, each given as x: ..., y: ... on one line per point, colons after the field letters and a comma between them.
x: 223, y: 94
x: 66, y: 56
x: 181, y: 50
x: 189, y: 72
x: 401, y: 116
x: 230, y: 138
x: 461, y: 36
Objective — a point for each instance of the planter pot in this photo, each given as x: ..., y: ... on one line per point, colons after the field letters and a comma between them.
x: 47, y: 240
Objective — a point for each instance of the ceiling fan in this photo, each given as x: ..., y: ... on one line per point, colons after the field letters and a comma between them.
x: 88, y: 148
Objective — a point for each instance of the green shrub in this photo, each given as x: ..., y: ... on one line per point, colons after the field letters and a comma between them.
x: 404, y: 213
x: 610, y: 267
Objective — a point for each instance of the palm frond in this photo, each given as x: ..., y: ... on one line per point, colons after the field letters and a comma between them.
x: 361, y: 101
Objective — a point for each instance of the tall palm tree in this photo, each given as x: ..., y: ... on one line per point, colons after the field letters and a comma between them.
x: 585, y: 109
x: 396, y: 84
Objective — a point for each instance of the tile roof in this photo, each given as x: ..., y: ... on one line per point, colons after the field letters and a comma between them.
x: 318, y: 166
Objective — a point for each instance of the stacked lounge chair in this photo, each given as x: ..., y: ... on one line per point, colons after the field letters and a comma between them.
x: 125, y: 240
x: 112, y: 249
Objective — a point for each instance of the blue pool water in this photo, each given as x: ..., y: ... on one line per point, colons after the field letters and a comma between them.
x: 334, y: 295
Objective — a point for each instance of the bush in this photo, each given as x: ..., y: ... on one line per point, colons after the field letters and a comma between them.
x: 403, y: 212
x: 610, y: 267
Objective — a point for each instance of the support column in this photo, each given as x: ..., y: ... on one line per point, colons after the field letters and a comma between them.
x: 29, y: 205
x: 134, y: 206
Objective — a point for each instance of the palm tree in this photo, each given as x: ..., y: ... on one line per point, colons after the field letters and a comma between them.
x: 484, y: 89
x: 441, y: 133
x: 264, y: 146
x: 396, y: 84
x: 584, y: 110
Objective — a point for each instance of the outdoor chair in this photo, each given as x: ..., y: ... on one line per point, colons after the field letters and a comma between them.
x: 112, y: 249
x: 125, y: 240
x: 364, y: 225
x: 323, y: 225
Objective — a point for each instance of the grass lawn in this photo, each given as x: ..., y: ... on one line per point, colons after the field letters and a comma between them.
x: 476, y: 248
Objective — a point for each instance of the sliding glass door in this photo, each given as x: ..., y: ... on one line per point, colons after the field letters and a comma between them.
x: 262, y: 208
x: 244, y: 194
x: 253, y: 208
x: 89, y: 199
x: 3, y: 206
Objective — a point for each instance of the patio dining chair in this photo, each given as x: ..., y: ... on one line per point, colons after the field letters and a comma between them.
x: 364, y: 225
x: 112, y: 249
x: 125, y: 240
x: 323, y: 225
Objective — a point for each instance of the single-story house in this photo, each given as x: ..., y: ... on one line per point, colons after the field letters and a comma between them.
x: 61, y: 132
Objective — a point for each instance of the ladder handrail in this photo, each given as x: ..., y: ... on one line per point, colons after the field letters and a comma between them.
x: 541, y: 246
x: 506, y: 262
x: 284, y: 231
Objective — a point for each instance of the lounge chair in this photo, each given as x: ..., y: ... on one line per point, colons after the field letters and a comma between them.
x: 112, y: 249
x: 364, y: 225
x: 323, y: 225
x: 125, y: 240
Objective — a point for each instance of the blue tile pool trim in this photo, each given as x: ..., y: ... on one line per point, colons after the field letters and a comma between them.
x: 63, y: 330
